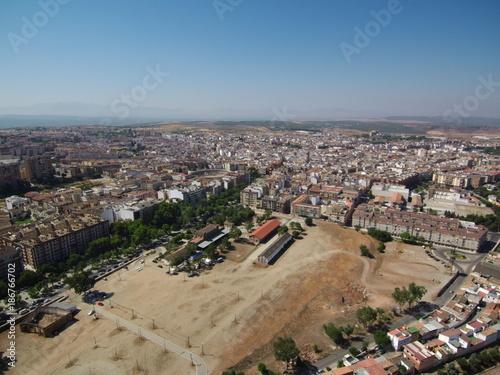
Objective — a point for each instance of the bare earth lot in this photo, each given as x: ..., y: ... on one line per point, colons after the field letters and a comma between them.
x: 231, y: 314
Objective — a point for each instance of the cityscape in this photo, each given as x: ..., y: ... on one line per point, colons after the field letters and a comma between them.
x: 224, y: 221
x: 232, y: 187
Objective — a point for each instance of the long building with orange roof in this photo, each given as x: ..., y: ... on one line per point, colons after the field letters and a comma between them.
x: 265, y: 231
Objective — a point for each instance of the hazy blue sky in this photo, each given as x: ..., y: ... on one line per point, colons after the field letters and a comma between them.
x: 255, y: 58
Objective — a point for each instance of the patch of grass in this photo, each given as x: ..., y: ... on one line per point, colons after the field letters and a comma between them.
x: 457, y: 256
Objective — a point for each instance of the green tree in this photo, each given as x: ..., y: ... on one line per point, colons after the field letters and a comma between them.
x: 381, y: 338
x: 354, y: 351
x: 380, y: 235
x: 364, y: 346
x: 282, y: 230
x: 80, y: 281
x: 464, y: 365
x: 235, y: 233
x: 365, y: 251
x: 49, y: 268
x: 285, y: 349
x: 254, y: 174
x: 249, y: 226
x: 334, y: 333
x: 405, y: 236
x: 224, y: 244
x: 340, y: 363
x: 33, y: 292
x: 211, y: 251
x: 366, y: 316
x: 381, y: 247
x: 295, y: 234
x: 401, y: 296
x: 190, y: 248
x: 74, y: 259
x: 262, y: 368
x: 309, y: 221
x: 348, y: 330
x: 416, y: 293
x: 99, y: 247
x: 27, y: 278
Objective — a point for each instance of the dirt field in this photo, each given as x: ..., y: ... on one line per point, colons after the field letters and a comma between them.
x: 231, y: 314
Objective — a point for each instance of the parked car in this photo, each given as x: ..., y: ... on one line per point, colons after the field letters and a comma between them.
x: 100, y: 303
x: 92, y: 312
x: 349, y: 360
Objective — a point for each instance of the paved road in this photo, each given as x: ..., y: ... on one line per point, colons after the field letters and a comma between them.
x: 201, y: 368
x: 464, y: 267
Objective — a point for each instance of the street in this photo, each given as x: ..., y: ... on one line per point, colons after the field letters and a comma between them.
x: 463, y: 266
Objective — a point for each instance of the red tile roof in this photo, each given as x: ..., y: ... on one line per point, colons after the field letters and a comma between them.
x: 264, y: 230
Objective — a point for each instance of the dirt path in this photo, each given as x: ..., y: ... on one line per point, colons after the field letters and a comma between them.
x: 231, y: 315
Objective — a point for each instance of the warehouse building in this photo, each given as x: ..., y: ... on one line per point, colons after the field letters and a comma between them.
x: 276, y: 249
x: 264, y: 232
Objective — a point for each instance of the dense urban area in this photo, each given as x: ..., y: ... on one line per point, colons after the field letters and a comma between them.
x: 248, y: 250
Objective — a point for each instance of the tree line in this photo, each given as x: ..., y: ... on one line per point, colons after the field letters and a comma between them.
x: 125, y: 236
